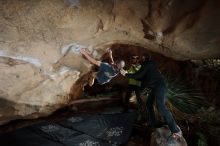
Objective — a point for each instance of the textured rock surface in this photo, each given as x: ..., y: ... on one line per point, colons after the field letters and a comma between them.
x: 39, y: 42
x: 161, y: 137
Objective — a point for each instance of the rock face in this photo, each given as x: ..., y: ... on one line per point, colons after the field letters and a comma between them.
x: 40, y: 40
x: 161, y: 137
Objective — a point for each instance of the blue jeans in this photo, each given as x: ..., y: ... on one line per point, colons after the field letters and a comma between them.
x: 158, y: 94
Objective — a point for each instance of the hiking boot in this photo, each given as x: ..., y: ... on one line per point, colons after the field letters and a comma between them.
x: 176, y: 136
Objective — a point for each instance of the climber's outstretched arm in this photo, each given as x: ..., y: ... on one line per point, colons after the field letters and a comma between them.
x: 89, y: 58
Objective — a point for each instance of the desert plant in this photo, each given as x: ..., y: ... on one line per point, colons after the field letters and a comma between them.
x: 184, y: 98
x: 211, y: 64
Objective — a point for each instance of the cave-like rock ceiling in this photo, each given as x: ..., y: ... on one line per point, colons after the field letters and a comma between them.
x: 40, y: 41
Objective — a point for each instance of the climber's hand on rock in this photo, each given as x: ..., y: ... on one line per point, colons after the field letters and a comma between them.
x: 83, y: 51
x: 109, y: 50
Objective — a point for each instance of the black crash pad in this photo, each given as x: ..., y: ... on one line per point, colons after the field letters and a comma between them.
x: 83, y: 130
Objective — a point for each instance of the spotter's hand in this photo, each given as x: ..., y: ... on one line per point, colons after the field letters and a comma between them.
x: 123, y: 72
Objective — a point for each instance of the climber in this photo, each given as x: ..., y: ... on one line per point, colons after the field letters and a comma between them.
x: 133, y: 85
x: 107, y: 71
x: 151, y: 78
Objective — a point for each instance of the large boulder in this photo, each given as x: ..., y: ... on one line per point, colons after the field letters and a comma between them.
x: 162, y: 137
x: 40, y: 62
